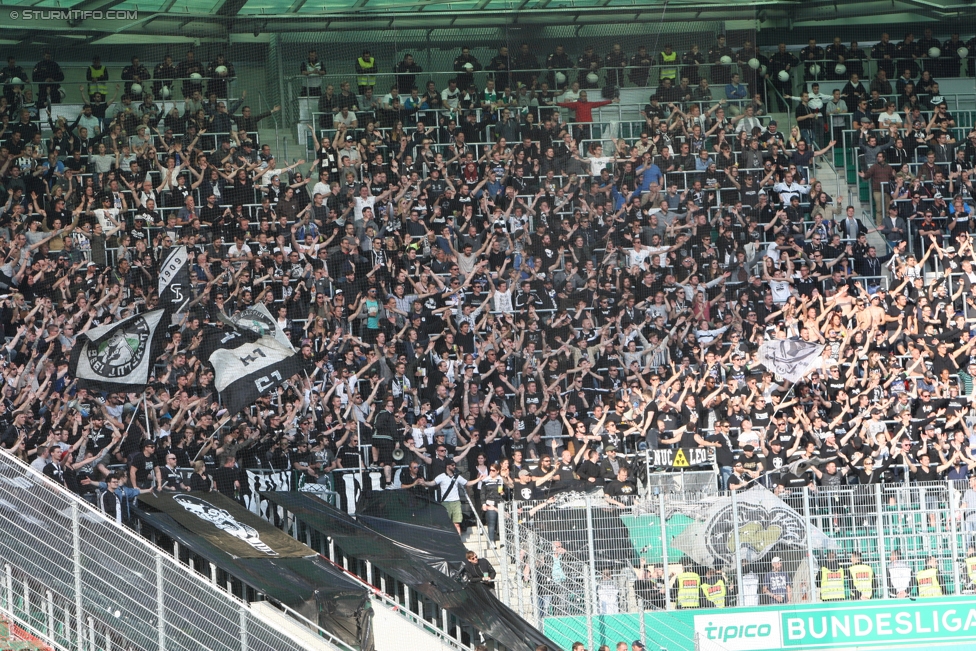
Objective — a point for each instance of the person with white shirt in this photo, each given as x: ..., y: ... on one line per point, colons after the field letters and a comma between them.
x: 451, y: 96
x: 322, y: 187
x: 271, y: 171
x: 788, y: 188
x: 889, y: 117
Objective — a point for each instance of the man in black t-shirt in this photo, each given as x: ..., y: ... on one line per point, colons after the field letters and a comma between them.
x: 143, y: 469
x: 621, y: 487
x: 227, y: 479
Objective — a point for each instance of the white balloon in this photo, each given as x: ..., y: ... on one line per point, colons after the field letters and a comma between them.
x: 840, y: 69
x: 783, y: 75
x: 560, y: 78
x: 963, y: 52
x: 726, y: 59
x: 468, y: 66
x: 196, y: 75
x: 165, y: 92
x: 754, y: 64
x: 815, y: 69
x: 592, y: 78
x: 16, y: 80
x: 762, y: 69
x: 934, y: 52
x: 221, y: 70
x: 135, y: 89
x: 816, y: 103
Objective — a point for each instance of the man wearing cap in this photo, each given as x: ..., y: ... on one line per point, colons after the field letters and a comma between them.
x: 776, y: 587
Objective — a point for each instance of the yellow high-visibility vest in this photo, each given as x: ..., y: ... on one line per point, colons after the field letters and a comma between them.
x: 669, y: 71
x: 715, y: 594
x: 366, y: 66
x: 928, y: 582
x: 971, y: 568
x: 689, y: 584
x: 862, y: 577
x: 832, y: 584
x: 99, y: 81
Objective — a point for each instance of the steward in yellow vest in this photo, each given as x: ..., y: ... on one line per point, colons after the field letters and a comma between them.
x: 365, y: 71
x: 862, y: 578
x: 832, y: 579
x: 687, y: 590
x: 969, y: 567
x: 714, y: 589
x: 929, y: 584
x: 668, y: 60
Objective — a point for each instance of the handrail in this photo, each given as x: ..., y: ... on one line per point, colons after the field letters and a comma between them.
x: 82, y: 509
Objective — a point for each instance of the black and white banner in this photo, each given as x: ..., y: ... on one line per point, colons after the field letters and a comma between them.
x: 789, y: 358
x: 174, y: 280
x: 258, y: 320
x: 246, y: 366
x: 119, y: 356
x: 260, y: 482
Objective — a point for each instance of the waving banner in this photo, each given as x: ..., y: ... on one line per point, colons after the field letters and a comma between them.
x: 789, y: 358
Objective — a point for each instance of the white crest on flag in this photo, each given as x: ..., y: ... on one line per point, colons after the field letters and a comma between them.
x: 257, y: 318
x: 119, y: 353
x: 789, y: 358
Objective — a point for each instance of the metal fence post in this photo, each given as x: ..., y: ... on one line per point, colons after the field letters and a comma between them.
x: 811, y: 567
x: 591, y: 589
x: 954, y: 543
x: 735, y: 538
x: 503, y: 536
x: 664, y: 552
x: 883, y: 562
x: 160, y: 603
x: 243, y: 627
x: 76, y: 563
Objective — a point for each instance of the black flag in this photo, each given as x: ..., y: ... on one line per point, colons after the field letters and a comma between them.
x: 246, y: 365
x: 119, y: 356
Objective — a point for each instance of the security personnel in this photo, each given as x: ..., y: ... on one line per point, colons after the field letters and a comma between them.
x: 668, y: 60
x: 365, y: 71
x: 97, y: 75
x: 688, y: 589
x: 928, y: 581
x: 969, y: 566
x: 714, y: 589
x: 832, y: 579
x: 862, y: 578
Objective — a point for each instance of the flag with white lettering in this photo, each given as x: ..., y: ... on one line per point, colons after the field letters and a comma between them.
x: 119, y: 356
x: 258, y: 319
x: 174, y: 280
x: 789, y: 358
x: 246, y: 366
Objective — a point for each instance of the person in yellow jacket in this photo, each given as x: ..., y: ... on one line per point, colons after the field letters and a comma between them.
x: 832, y: 579
x: 969, y: 570
x: 686, y: 592
x: 715, y: 588
x: 929, y: 580
x: 365, y: 71
x: 97, y: 76
x: 668, y: 62
x: 862, y: 579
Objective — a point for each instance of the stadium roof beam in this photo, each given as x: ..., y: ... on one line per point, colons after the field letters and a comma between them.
x: 229, y: 8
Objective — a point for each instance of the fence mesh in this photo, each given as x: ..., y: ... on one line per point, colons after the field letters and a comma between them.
x: 64, y: 563
x: 574, y: 560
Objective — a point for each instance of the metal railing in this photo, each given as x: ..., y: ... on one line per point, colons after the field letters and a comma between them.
x: 580, y: 556
x: 89, y: 584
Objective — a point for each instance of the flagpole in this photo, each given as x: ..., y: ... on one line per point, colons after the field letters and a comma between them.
x: 220, y: 426
x: 135, y: 415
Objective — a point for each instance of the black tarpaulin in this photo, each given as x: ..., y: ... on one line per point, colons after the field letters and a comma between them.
x: 309, y: 585
x: 423, y: 527
x: 471, y: 603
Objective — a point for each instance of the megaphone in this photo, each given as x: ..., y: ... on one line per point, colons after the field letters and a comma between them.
x: 398, y: 454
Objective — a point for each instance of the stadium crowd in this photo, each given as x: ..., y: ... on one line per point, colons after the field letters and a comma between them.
x: 475, y: 283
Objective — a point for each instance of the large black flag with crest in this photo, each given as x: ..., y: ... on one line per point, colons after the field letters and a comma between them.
x: 119, y: 356
x: 246, y: 365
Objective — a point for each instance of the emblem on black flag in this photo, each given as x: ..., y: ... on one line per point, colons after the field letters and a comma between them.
x: 122, y: 352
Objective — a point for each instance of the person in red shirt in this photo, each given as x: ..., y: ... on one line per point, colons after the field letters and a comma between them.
x: 583, y: 113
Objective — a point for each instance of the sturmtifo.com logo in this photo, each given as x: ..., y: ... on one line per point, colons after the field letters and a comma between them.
x: 73, y: 15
